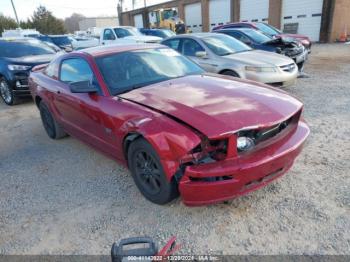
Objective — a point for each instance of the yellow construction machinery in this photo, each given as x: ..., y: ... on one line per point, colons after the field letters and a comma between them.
x: 167, y: 18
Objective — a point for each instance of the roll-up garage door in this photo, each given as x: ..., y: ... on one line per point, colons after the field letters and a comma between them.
x: 219, y: 12
x: 254, y: 10
x: 138, y: 21
x: 193, y: 17
x: 302, y: 17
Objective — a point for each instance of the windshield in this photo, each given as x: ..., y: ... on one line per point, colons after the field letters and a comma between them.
x: 161, y: 33
x: 61, y: 40
x: 168, y: 32
x: 167, y: 14
x: 224, y: 45
x: 127, y: 31
x: 15, y: 49
x: 267, y: 29
x: 257, y: 36
x: 44, y: 38
x: 126, y: 71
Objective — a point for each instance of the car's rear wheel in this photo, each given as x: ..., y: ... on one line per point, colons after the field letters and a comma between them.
x: 52, y: 128
x: 148, y: 173
x: 230, y: 73
x: 6, y: 92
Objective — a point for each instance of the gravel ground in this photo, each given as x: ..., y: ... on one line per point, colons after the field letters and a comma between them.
x: 63, y: 197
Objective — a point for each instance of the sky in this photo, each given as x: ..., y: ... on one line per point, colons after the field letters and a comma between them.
x: 64, y: 8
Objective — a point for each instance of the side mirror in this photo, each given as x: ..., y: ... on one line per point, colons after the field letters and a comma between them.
x: 201, y: 54
x: 83, y: 87
x: 247, y: 42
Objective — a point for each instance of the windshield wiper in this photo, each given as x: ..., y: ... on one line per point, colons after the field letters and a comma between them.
x: 126, y: 90
x: 228, y: 53
x: 242, y: 51
x: 136, y: 86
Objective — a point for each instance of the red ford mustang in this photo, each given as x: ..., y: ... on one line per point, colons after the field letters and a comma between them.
x: 181, y: 131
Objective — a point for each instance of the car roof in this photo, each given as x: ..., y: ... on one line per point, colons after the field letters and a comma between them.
x: 111, y: 49
x: 252, y: 24
x: 246, y: 23
x: 242, y: 29
x: 121, y: 26
x: 195, y: 35
x: 151, y: 29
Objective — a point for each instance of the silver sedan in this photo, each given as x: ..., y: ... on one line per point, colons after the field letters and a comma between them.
x: 222, y: 54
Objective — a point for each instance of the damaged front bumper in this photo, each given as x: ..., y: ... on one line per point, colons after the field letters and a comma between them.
x: 215, y: 182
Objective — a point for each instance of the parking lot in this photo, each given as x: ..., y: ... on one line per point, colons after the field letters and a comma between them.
x: 63, y: 197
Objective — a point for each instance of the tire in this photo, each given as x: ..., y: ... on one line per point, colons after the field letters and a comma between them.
x: 230, y: 73
x: 6, y: 93
x: 52, y: 128
x: 148, y: 173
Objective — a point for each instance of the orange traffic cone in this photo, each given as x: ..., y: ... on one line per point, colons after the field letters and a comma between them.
x: 344, y: 35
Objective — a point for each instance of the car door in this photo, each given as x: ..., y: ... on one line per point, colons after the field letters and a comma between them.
x: 81, y: 113
x: 108, y: 37
x: 189, y: 48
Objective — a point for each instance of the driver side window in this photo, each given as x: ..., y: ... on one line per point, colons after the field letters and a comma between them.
x: 75, y: 70
x: 190, y: 47
x: 108, y: 35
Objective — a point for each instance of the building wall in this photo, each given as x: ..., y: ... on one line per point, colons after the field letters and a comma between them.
x: 275, y: 11
x: 341, y: 19
x: 98, y: 22
x: 336, y: 15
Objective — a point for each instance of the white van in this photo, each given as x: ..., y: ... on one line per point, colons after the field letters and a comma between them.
x: 19, y: 32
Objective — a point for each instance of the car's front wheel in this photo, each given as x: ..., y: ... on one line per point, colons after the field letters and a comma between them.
x: 148, y: 173
x: 230, y: 73
x: 52, y: 128
x: 6, y: 92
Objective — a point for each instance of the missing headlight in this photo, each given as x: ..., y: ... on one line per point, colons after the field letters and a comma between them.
x: 210, y: 151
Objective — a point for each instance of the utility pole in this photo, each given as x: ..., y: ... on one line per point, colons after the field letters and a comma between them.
x: 14, y: 10
x: 120, y: 11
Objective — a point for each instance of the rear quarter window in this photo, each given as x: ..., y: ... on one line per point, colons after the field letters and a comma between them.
x: 75, y: 70
x: 52, y: 70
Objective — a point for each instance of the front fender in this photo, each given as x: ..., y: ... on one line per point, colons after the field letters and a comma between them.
x: 171, y: 139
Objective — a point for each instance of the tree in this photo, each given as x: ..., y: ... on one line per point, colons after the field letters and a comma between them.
x: 7, y: 23
x: 72, y: 23
x: 43, y: 21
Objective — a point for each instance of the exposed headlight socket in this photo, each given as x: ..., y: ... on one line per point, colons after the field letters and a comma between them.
x: 244, y: 143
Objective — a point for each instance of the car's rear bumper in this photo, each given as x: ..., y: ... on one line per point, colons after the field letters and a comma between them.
x: 247, y: 173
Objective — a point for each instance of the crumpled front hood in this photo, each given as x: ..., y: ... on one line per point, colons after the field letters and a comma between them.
x: 261, y: 58
x: 215, y: 105
x: 296, y: 36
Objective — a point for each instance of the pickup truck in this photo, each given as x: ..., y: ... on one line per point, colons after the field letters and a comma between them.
x: 125, y: 35
x: 83, y: 42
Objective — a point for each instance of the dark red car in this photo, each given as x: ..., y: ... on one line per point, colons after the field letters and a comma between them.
x: 268, y: 30
x: 179, y: 130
